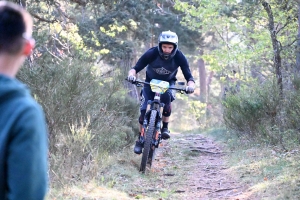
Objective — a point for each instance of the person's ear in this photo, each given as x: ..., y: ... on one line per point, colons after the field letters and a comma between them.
x: 28, y: 47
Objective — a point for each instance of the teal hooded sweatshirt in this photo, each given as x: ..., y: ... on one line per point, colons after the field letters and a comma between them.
x: 23, y: 143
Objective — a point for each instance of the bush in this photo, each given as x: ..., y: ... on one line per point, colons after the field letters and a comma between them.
x: 88, y: 116
x: 262, y: 114
x: 292, y: 104
x: 253, y: 108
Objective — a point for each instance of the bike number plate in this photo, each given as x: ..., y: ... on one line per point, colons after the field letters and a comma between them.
x: 159, y: 86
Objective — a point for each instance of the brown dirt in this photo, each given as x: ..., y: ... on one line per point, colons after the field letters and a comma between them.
x: 192, y: 167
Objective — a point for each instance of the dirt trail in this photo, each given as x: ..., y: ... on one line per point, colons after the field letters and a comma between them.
x: 192, y: 167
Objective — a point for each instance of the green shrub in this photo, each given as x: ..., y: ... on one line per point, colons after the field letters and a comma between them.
x: 88, y: 116
x: 253, y: 108
x: 262, y: 114
x: 292, y: 104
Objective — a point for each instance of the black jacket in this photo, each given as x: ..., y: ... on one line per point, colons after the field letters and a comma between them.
x: 159, y: 68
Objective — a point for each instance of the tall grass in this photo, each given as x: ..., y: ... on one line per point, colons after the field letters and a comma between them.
x: 89, y: 117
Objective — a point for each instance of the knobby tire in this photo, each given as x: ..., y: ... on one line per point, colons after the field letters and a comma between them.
x: 151, y: 156
x: 148, y: 141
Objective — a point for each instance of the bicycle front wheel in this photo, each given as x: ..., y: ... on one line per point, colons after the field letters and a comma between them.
x: 148, y: 141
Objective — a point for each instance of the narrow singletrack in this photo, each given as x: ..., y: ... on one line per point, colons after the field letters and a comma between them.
x: 192, y: 166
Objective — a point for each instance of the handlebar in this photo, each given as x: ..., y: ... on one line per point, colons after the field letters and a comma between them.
x: 138, y: 82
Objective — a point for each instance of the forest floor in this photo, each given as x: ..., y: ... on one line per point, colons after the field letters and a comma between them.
x: 191, y: 166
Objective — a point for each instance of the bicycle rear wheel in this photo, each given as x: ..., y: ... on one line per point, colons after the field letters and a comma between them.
x: 148, y: 141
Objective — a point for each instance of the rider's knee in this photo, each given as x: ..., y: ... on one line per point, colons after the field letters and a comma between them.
x: 141, y: 118
x: 167, y: 110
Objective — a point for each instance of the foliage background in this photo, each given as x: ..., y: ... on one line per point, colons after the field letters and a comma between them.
x: 249, y: 76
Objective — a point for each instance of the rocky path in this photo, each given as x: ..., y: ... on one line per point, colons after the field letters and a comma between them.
x: 192, y: 167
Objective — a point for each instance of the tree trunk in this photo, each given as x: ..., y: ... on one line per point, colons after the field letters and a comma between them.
x: 126, y: 65
x: 209, y: 79
x: 202, y: 77
x: 298, y: 43
x: 297, y: 70
x: 208, y: 104
x: 275, y: 44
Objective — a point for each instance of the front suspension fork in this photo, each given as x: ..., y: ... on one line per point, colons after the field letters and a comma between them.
x: 156, y: 135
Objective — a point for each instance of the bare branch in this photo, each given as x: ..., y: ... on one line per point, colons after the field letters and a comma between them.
x: 298, y: 1
x: 53, y: 55
x: 228, y: 46
x: 295, y: 40
x: 80, y: 2
x: 43, y: 19
x: 286, y: 23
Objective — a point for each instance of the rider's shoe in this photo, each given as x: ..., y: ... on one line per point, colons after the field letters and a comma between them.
x: 165, y: 134
x: 138, y: 148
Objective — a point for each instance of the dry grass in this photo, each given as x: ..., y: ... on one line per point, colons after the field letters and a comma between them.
x: 89, y: 118
x: 274, y: 174
x: 117, y: 178
x: 271, y: 171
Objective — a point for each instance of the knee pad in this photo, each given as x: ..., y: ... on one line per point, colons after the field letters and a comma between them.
x: 167, y: 110
x: 141, y: 118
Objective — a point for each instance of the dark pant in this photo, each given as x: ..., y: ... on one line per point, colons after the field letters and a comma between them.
x: 165, y: 98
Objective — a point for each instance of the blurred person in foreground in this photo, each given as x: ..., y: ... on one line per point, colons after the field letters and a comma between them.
x: 23, y: 132
x: 162, y: 62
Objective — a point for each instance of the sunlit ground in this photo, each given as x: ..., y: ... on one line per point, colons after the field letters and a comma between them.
x: 91, y: 191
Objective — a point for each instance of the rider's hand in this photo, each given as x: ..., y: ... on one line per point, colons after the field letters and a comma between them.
x: 189, y: 89
x: 131, y: 78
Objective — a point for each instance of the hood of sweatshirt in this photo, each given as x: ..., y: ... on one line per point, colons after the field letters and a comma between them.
x: 11, y: 87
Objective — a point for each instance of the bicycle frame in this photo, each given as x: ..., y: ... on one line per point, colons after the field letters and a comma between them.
x: 150, y: 134
x: 154, y: 104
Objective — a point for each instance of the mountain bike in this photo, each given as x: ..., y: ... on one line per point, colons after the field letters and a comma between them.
x: 150, y: 134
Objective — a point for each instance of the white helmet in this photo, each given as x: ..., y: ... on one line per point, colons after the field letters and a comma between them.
x: 167, y: 37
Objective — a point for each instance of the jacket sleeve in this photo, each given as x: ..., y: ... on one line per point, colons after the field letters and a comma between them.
x: 27, y: 163
x: 184, y: 66
x: 145, y: 59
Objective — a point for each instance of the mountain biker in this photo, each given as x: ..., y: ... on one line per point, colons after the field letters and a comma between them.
x: 162, y: 63
x: 23, y: 132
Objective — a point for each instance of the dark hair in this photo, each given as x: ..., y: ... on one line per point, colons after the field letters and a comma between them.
x: 12, y: 27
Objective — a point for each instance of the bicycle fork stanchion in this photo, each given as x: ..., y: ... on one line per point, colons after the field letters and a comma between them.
x: 157, y: 135
x: 145, y: 122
